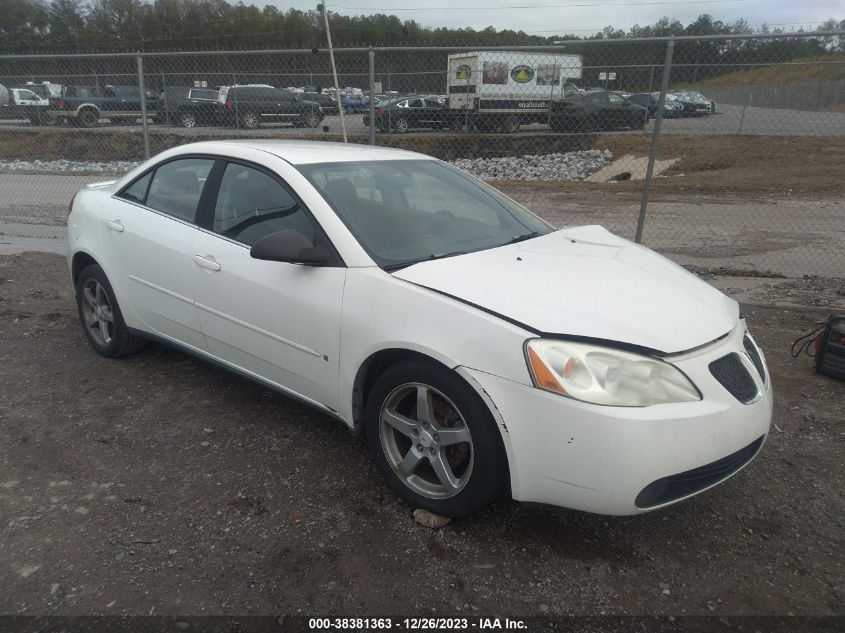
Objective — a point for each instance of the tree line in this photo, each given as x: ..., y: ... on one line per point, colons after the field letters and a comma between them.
x: 129, y: 25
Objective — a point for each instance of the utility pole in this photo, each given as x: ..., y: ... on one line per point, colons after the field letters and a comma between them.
x: 324, y: 11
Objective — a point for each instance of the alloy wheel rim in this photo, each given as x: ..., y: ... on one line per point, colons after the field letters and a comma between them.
x: 188, y: 120
x: 97, y: 312
x: 250, y: 120
x: 402, y: 125
x: 426, y: 441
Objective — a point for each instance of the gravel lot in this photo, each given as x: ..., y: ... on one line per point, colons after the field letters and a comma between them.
x: 161, y: 484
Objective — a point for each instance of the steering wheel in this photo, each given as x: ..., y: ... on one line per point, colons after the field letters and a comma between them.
x: 439, y: 221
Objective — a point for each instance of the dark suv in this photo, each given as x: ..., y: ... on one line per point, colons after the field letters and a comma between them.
x: 190, y: 107
x: 250, y: 106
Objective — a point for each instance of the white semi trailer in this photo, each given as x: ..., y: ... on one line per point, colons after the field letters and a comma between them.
x: 490, y: 90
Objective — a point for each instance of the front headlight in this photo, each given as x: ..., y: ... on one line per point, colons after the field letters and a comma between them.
x: 603, y: 375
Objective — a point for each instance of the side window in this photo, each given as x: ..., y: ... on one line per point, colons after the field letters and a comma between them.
x: 616, y: 99
x: 177, y: 185
x: 416, y: 103
x: 137, y: 191
x: 599, y: 99
x: 251, y: 204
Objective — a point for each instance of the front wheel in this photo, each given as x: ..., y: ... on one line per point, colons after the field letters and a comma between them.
x: 434, y: 440
x: 102, y: 321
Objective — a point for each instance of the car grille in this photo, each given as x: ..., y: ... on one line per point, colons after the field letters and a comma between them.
x: 733, y: 376
x: 754, y: 353
x: 684, y: 484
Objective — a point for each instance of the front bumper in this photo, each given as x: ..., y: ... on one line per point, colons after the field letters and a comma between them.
x: 601, y: 459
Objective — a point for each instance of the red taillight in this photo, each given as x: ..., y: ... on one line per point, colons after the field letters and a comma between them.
x: 380, y: 111
x: 230, y: 105
x: 70, y: 206
x: 164, y: 102
x: 62, y: 104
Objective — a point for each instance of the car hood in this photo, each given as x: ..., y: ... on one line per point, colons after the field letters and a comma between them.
x: 586, y: 282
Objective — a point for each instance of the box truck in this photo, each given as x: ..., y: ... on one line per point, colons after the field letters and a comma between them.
x: 489, y: 90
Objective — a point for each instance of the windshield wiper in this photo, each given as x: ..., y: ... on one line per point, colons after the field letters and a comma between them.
x: 433, y: 256
x: 522, y: 238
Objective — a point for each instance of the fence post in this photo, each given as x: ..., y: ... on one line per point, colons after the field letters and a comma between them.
x: 658, y: 123
x: 143, y: 106
x: 372, y: 56
x: 745, y: 107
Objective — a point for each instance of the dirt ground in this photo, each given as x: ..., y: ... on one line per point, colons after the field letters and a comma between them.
x: 160, y: 484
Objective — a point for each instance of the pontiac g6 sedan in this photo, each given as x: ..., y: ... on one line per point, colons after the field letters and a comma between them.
x: 477, y: 348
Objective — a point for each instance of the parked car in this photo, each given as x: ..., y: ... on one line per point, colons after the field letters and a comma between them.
x: 407, y: 113
x: 22, y: 103
x: 116, y: 103
x: 697, y: 95
x: 597, y: 110
x: 476, y: 347
x: 650, y: 100
x: 692, y: 104
x: 326, y: 102
x: 189, y: 107
x: 250, y: 106
x: 354, y: 103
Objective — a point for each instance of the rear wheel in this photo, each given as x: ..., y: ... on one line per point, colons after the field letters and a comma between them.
x: 187, y: 119
x: 102, y: 321
x: 249, y: 120
x: 310, y: 119
x: 401, y: 125
x: 88, y: 118
x: 434, y: 440
x: 510, y: 124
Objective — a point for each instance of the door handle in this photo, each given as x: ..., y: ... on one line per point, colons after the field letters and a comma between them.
x: 115, y: 225
x: 207, y: 262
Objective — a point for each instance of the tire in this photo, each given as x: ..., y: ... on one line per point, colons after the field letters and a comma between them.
x: 187, y: 120
x: 95, y: 302
x: 310, y: 119
x: 459, y: 124
x: 473, y: 462
x: 510, y: 125
x: 88, y: 118
x: 401, y: 125
x: 250, y: 120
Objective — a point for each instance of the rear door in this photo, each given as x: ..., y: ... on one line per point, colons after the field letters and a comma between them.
x: 275, y: 320
x: 148, y: 234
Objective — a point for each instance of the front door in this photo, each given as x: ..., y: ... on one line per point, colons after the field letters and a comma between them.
x: 275, y: 320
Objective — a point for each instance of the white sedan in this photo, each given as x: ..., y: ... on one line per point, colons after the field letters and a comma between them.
x: 478, y: 349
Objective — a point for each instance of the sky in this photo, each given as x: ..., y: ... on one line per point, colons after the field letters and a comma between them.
x: 551, y: 17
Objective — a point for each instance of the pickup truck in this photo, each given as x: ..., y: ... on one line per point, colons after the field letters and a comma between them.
x: 85, y: 107
x: 22, y: 103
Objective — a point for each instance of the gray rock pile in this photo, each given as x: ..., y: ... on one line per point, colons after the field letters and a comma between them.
x: 566, y: 166
x: 68, y: 166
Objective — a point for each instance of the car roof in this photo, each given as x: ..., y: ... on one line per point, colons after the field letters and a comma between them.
x: 307, y: 152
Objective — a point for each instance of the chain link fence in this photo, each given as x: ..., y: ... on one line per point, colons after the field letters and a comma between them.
x: 724, y: 153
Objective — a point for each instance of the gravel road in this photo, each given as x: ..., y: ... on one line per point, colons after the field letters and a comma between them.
x: 161, y: 484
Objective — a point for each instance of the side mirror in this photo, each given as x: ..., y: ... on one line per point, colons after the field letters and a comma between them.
x: 291, y: 247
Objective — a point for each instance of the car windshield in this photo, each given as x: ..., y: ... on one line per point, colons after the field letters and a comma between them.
x: 407, y: 211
